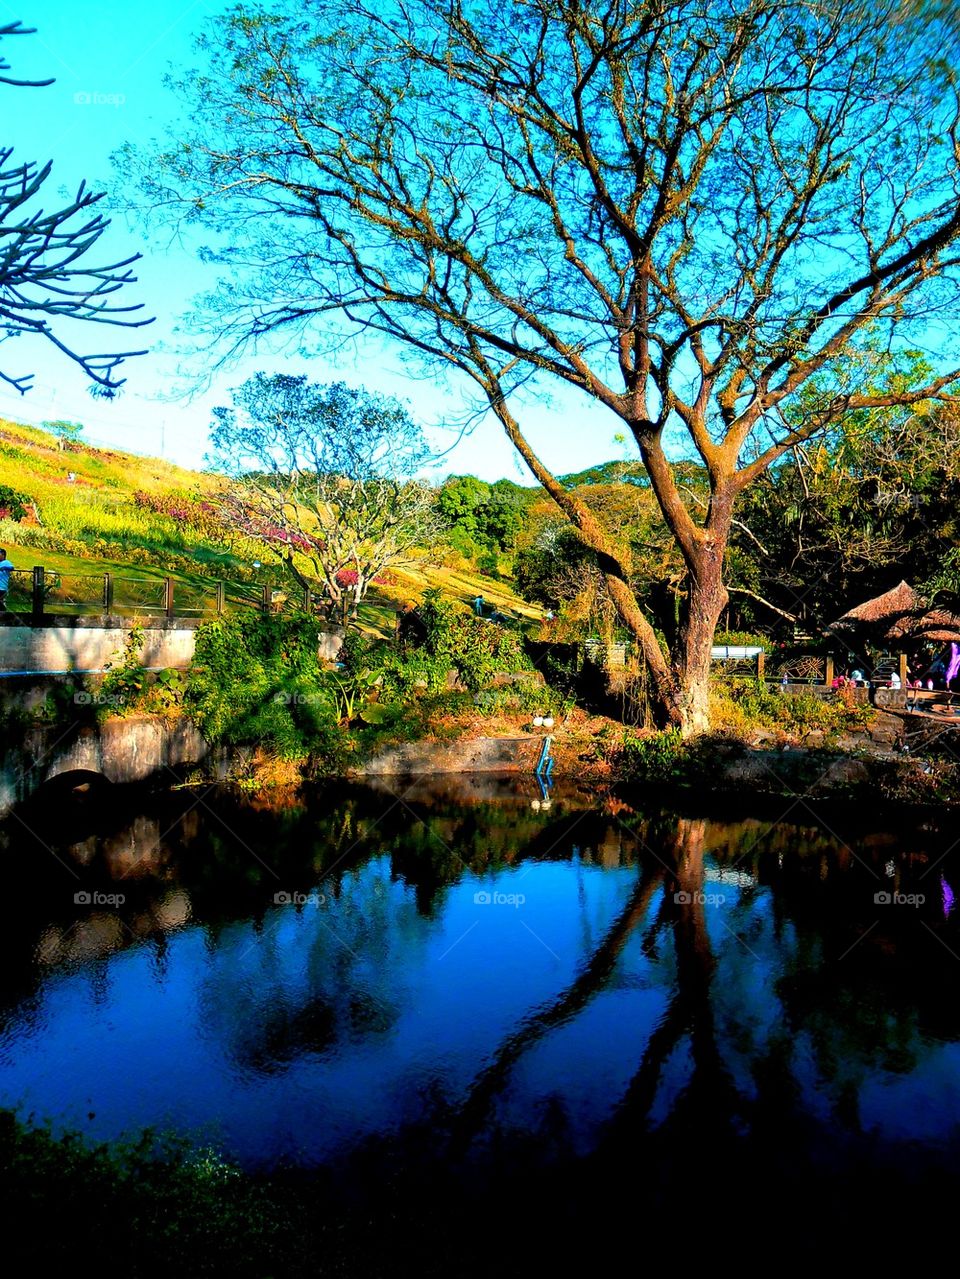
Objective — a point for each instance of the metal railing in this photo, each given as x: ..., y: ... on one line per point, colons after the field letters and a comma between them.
x: 798, y: 668
x: 39, y: 592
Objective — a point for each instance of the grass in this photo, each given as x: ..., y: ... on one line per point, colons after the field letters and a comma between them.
x: 188, y: 586
x: 92, y: 525
x: 95, y: 515
x: 461, y: 584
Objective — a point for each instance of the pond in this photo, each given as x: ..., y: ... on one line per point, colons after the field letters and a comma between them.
x: 466, y: 980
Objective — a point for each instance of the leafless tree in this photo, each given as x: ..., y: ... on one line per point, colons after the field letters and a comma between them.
x: 45, y: 272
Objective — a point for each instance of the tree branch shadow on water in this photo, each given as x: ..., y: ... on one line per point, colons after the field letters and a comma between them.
x: 710, y: 1092
x: 471, y: 1115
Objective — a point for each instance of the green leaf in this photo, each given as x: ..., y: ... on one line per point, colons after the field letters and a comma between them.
x: 374, y: 713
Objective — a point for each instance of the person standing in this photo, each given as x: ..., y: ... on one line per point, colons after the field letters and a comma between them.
x: 6, y: 568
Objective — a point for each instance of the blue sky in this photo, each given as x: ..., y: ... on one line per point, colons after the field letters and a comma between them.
x: 109, y: 59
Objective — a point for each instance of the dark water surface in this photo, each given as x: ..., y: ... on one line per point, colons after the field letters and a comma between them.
x: 455, y: 982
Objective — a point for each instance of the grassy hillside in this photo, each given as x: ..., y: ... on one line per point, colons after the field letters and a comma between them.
x: 94, y: 510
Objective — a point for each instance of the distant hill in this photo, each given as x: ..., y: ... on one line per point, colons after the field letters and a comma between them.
x: 608, y: 473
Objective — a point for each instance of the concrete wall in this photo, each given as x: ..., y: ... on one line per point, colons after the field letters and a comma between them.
x: 478, y: 755
x: 31, y: 692
x: 76, y: 646
x: 89, y: 648
x: 128, y: 749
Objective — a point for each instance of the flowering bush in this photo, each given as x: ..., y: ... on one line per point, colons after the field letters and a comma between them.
x: 347, y: 577
x: 185, y: 509
x: 13, y: 505
x: 163, y: 504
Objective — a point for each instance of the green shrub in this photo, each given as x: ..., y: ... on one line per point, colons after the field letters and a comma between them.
x: 151, y: 1204
x: 126, y: 676
x: 457, y: 640
x: 742, y: 705
x: 488, y: 563
x: 258, y: 680
x: 128, y: 686
x: 527, y: 697
x: 478, y: 649
x: 13, y: 505
x: 660, y: 757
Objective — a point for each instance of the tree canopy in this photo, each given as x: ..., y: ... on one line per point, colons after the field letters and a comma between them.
x: 700, y: 214
x: 480, y: 514
x: 325, y: 478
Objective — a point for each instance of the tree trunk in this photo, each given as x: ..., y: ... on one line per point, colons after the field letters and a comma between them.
x: 708, y: 598
x: 681, y: 682
x: 669, y: 709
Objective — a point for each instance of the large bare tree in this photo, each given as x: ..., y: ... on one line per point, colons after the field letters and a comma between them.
x: 700, y: 214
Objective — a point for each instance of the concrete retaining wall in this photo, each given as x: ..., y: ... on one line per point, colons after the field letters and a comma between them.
x: 134, y: 748
x: 479, y: 755
x: 90, y: 648
x: 77, y: 645
x: 131, y: 749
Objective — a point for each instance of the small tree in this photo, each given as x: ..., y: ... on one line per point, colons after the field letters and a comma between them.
x: 13, y: 505
x: 484, y: 514
x: 45, y: 271
x: 66, y: 432
x: 326, y: 477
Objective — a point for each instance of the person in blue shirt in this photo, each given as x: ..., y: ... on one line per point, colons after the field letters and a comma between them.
x: 6, y: 568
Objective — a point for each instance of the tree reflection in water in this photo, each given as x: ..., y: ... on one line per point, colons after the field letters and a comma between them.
x: 679, y: 991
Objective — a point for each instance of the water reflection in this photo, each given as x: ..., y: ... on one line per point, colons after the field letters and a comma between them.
x: 456, y: 969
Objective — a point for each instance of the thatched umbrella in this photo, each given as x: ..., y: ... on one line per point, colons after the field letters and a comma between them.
x: 938, y: 626
x: 897, y: 618
x: 886, y: 617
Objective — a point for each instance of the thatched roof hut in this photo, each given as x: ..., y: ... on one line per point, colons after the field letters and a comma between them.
x: 938, y: 626
x: 897, y: 619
